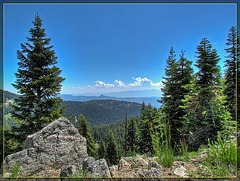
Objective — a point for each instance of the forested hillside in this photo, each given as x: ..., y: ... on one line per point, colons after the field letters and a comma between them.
x: 99, y: 112
x: 7, y: 95
x: 8, y: 100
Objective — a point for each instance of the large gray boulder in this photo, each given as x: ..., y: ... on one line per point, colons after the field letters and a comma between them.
x: 56, y: 146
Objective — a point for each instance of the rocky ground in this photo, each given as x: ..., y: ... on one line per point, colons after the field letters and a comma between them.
x: 59, y: 151
x: 133, y: 168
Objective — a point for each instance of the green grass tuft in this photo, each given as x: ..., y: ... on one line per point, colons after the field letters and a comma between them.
x: 184, y: 150
x: 222, y: 152
x: 163, y: 150
x: 14, y: 170
x: 79, y: 174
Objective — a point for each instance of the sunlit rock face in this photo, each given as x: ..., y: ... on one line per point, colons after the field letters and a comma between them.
x: 55, y: 146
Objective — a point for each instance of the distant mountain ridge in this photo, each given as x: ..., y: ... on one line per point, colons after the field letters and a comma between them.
x: 97, y: 112
x: 152, y: 100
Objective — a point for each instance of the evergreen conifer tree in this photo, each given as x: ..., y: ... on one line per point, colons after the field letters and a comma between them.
x: 132, y: 135
x: 184, y: 77
x: 112, y: 150
x: 207, y: 82
x: 143, y: 107
x: 205, y: 116
x: 126, y: 134
x: 102, y: 150
x: 146, y: 130
x: 232, y: 74
x: 38, y: 82
x: 173, y: 92
x: 208, y: 76
x: 84, y: 130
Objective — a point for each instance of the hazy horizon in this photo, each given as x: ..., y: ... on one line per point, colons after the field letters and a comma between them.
x: 132, y: 93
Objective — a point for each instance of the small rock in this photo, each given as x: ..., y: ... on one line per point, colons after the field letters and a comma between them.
x: 139, y: 162
x: 97, y: 168
x: 151, y: 173
x: 113, y: 170
x: 180, y: 171
x: 154, y: 164
x: 68, y: 171
x: 193, y: 160
x: 7, y: 174
x: 125, y: 163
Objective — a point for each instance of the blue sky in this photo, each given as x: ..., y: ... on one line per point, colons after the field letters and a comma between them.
x: 105, y: 48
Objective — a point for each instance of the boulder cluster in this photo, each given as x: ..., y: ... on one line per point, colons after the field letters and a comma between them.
x: 58, y: 150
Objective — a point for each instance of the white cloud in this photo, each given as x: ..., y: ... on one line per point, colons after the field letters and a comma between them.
x: 102, y: 84
x: 144, y: 82
x: 158, y: 84
x: 119, y: 83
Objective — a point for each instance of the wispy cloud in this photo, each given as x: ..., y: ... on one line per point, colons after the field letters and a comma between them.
x: 119, y: 83
x: 138, y: 82
x: 118, y: 86
x: 144, y: 82
x: 158, y: 84
x: 102, y: 84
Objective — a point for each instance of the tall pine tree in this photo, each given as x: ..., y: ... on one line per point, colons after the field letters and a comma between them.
x: 184, y: 77
x: 232, y: 74
x: 173, y: 93
x: 102, y: 150
x: 168, y: 99
x: 207, y: 83
x: 38, y: 82
x: 125, y: 135
x: 208, y: 76
x: 147, y: 122
x: 205, y: 115
x: 84, y: 130
x: 112, y: 150
x: 132, y: 134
